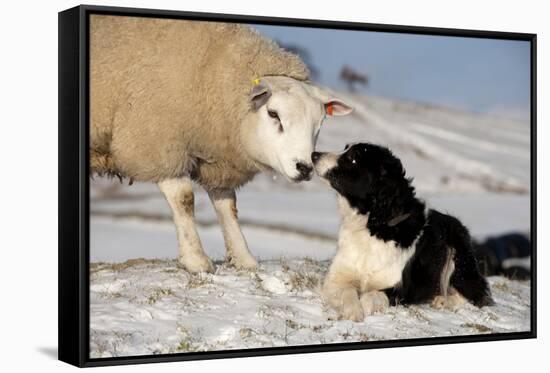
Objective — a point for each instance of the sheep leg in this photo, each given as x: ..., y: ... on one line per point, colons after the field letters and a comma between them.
x: 179, y: 194
x: 225, y: 204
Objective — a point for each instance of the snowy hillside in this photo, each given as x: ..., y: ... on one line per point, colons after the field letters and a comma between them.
x: 444, y: 149
x: 154, y: 307
x: 473, y: 166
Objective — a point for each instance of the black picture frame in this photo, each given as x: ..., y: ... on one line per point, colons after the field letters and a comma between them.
x: 74, y: 186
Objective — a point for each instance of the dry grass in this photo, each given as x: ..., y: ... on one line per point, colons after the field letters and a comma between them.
x: 157, y: 294
x: 478, y: 327
x: 301, y: 281
x: 198, y: 280
x: 116, y: 267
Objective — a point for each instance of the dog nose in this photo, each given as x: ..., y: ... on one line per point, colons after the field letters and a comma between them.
x: 304, y: 169
x: 315, y: 156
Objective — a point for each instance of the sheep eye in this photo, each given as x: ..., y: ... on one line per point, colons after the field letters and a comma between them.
x: 273, y: 114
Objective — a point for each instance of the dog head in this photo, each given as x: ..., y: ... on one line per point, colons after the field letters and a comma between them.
x: 366, y: 175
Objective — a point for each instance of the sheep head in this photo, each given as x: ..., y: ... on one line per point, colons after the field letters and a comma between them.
x: 283, y: 124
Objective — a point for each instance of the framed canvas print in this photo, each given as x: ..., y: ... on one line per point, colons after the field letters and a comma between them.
x: 385, y: 178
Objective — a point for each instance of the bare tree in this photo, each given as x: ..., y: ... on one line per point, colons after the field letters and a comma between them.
x: 352, y: 77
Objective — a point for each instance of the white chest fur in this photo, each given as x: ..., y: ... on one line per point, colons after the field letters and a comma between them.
x: 369, y: 262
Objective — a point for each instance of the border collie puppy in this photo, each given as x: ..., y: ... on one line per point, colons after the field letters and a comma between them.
x: 391, y: 249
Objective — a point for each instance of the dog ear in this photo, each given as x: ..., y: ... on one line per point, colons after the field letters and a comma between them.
x: 391, y: 193
x: 393, y: 167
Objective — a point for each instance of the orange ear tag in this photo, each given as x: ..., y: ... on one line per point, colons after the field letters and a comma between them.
x: 329, y: 108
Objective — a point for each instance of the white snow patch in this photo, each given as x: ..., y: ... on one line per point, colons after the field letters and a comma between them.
x: 164, y: 309
x: 273, y: 284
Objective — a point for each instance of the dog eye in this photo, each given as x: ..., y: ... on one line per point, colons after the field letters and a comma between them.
x: 273, y: 114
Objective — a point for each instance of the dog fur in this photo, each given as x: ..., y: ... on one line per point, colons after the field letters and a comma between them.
x: 391, y: 248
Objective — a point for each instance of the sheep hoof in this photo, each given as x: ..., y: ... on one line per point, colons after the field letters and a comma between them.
x: 196, y: 263
x: 244, y: 262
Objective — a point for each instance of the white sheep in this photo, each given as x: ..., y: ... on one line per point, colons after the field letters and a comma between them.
x: 173, y: 101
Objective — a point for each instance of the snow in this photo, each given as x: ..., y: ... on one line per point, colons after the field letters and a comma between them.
x: 154, y: 307
x: 475, y: 167
x: 295, y: 225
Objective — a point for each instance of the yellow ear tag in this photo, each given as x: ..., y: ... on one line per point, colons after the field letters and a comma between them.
x: 256, y: 81
x: 329, y: 108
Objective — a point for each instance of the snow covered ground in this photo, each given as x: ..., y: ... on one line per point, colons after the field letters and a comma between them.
x: 145, y: 307
x: 275, y: 223
x: 473, y: 166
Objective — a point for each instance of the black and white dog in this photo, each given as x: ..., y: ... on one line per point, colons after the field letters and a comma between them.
x: 391, y: 249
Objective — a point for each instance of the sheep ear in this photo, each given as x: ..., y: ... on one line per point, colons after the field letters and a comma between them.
x: 259, y: 95
x: 333, y: 105
x: 337, y: 107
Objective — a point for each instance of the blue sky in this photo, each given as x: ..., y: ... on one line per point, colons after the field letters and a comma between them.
x: 481, y: 75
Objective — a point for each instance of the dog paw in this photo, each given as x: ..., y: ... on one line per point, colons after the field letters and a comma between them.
x: 439, y: 302
x: 352, y: 311
x: 449, y: 302
x: 374, y: 301
x: 196, y: 263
